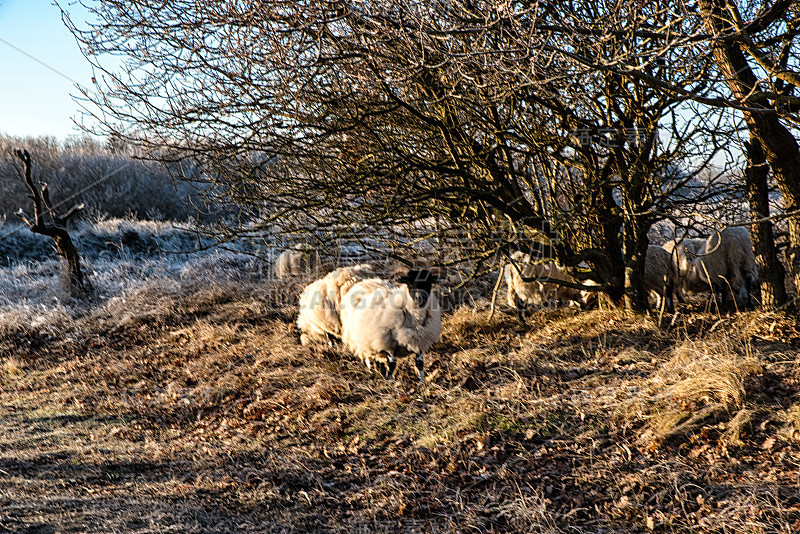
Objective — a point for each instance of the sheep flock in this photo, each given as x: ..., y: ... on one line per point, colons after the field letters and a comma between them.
x: 380, y: 319
x: 722, y: 263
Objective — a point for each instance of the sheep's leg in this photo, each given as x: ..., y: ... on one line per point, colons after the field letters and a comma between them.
x: 391, y: 363
x: 657, y: 297
x: 520, y: 306
x: 522, y: 310
x: 749, y: 285
x: 669, y: 296
x: 721, y: 296
x: 419, y: 362
x: 724, y: 292
x: 330, y: 338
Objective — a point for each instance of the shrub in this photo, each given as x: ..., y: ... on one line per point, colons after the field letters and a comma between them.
x: 108, y: 181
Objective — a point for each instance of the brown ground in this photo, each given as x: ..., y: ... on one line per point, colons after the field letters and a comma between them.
x: 196, y: 411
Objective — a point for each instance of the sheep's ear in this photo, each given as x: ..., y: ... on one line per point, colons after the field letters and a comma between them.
x: 399, y: 274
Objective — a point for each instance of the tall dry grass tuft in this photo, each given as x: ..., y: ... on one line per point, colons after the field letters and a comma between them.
x: 702, y: 380
x: 709, y: 372
x: 791, y: 423
x: 465, y: 325
x: 11, y: 368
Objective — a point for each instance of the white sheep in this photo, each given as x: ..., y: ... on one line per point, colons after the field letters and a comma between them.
x: 539, y: 291
x: 722, y: 258
x: 728, y: 263
x: 684, y: 253
x: 300, y: 261
x: 660, y: 275
x: 382, y: 320
x: 320, y: 303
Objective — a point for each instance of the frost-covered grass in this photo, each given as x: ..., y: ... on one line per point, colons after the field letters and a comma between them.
x: 120, y: 256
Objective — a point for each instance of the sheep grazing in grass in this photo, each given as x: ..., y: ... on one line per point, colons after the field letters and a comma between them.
x: 684, y: 252
x: 300, y: 261
x: 538, y: 292
x: 660, y: 275
x: 723, y: 261
x: 728, y: 263
x: 320, y: 303
x: 382, y: 321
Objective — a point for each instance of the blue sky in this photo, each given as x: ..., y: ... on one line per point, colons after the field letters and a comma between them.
x: 40, y: 63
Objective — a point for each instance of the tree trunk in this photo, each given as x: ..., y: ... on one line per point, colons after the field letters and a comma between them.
x: 78, y: 285
x: 636, y: 243
x: 780, y: 146
x: 771, y: 273
x: 783, y: 155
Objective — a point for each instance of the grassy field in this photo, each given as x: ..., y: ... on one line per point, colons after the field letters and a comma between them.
x: 193, y: 409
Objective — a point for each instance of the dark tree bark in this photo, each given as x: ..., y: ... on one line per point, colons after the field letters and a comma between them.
x: 636, y: 243
x: 770, y: 271
x: 77, y: 283
x: 780, y: 146
x: 783, y: 155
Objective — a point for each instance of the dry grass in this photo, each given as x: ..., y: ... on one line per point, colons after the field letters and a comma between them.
x: 193, y: 409
x: 701, y: 381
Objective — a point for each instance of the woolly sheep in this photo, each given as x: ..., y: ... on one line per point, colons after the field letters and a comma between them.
x: 684, y: 252
x: 537, y: 292
x: 300, y: 261
x: 660, y: 275
x: 727, y: 258
x: 382, y: 320
x: 723, y: 258
x: 320, y: 303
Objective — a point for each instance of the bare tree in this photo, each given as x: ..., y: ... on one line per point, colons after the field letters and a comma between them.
x: 55, y: 228
x: 497, y: 121
x: 748, y: 54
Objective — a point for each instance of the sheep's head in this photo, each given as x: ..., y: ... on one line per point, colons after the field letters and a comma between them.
x: 420, y: 282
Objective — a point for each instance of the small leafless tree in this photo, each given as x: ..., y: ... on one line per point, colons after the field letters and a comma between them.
x: 55, y: 228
